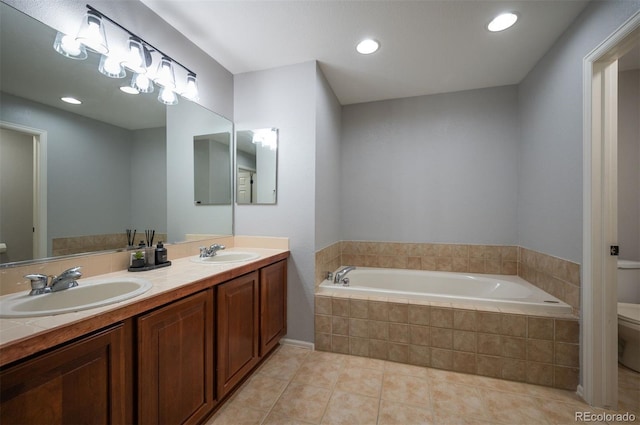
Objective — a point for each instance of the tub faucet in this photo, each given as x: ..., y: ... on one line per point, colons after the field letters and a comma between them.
x: 211, y: 251
x: 339, y: 276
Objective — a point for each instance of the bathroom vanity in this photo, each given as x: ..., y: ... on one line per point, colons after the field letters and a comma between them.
x: 168, y: 356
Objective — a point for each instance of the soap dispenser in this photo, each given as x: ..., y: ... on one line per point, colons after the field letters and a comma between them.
x: 161, y: 253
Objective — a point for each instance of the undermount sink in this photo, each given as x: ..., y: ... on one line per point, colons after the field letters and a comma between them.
x: 226, y: 257
x: 89, y: 293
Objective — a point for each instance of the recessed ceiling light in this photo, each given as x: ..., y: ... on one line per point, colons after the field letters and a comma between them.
x: 129, y: 90
x: 71, y: 100
x: 502, y: 22
x: 367, y: 46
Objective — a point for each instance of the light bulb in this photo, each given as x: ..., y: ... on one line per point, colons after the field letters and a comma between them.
x: 191, y: 91
x: 167, y: 96
x: 111, y: 67
x: 69, y: 47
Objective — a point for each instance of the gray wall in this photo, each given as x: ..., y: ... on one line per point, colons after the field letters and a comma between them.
x: 184, y: 121
x: 284, y: 98
x: 550, y: 157
x: 438, y: 168
x: 215, y: 83
x: 88, y: 169
x: 328, y: 175
x: 148, y: 180
x: 629, y: 164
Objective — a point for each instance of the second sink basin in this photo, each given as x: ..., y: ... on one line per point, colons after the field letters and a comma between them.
x: 89, y: 293
x: 227, y: 257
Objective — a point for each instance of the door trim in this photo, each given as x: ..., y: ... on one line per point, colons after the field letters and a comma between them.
x: 40, y: 185
x: 599, y: 331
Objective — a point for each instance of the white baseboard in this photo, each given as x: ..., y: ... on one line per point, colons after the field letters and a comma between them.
x: 298, y: 343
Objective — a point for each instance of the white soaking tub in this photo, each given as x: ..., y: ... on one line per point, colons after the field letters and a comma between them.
x: 500, y: 291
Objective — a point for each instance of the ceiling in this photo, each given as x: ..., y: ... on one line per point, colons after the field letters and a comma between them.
x: 427, y: 46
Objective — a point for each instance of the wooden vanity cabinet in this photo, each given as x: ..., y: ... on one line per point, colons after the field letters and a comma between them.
x: 238, y: 330
x: 273, y: 305
x: 176, y: 361
x: 82, y: 382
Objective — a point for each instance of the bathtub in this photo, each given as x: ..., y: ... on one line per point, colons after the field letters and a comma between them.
x: 501, y: 291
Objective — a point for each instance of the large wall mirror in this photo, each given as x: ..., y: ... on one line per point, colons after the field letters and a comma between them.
x: 257, y: 166
x: 101, y: 167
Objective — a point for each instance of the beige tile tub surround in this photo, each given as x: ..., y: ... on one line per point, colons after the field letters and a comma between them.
x: 560, y: 278
x: 12, y: 278
x: 518, y: 347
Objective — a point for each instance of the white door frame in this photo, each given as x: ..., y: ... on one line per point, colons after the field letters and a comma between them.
x: 39, y: 185
x: 599, y: 327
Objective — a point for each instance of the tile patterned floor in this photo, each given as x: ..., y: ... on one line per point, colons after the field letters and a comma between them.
x: 300, y: 386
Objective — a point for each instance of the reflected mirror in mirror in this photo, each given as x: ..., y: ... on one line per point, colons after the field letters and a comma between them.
x: 212, y: 169
x: 103, y: 165
x: 257, y: 166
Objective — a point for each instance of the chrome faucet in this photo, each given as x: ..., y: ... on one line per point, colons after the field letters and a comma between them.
x: 211, y: 251
x: 67, y: 279
x: 340, y: 276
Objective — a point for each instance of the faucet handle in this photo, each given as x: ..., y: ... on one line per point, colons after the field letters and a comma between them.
x: 38, y: 283
x: 73, y: 271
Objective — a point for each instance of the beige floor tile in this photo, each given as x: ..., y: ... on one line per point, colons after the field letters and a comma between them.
x: 275, y: 418
x: 459, y: 400
x: 406, y: 389
x: 500, y: 384
x: 560, y: 413
x: 303, y: 402
x: 283, y: 364
x: 392, y: 413
x: 321, y: 374
x: 260, y: 392
x: 564, y: 396
x: 454, y: 377
x: 367, y: 382
x: 324, y: 356
x: 364, y: 362
x: 510, y: 408
x: 405, y: 369
x: 449, y: 418
x: 236, y: 415
x: 349, y: 409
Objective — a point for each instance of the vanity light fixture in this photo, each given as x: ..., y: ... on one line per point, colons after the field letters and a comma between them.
x: 67, y: 46
x: 502, y: 22
x: 138, y: 58
x: 167, y: 96
x: 142, y: 83
x: 191, y: 91
x: 367, y: 46
x: 91, y: 32
x: 111, y: 67
x: 71, y: 100
x: 165, y: 76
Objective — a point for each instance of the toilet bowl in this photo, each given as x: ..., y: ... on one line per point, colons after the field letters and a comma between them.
x: 629, y: 335
x: 629, y: 314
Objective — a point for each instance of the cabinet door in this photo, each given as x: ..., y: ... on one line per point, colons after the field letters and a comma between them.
x: 237, y: 330
x: 273, y: 305
x: 175, y: 362
x: 80, y: 383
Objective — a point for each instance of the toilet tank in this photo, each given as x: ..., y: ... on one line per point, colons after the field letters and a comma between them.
x: 629, y: 281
